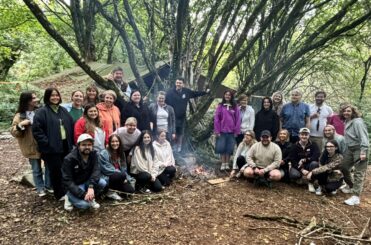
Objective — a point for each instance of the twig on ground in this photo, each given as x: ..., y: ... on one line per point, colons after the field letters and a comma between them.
x: 365, y: 228
x: 273, y: 228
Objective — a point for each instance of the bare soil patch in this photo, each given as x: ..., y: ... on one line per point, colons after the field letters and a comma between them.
x: 189, y: 212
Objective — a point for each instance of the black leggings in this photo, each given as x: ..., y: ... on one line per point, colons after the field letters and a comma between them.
x: 144, y: 180
x: 241, y: 161
x: 326, y: 185
x: 296, y: 173
x: 117, y: 182
x: 54, y: 162
x: 166, y: 177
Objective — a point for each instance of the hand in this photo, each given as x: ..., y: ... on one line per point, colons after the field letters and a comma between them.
x: 173, y: 136
x: 25, y: 122
x: 309, y: 176
x: 208, y: 90
x: 110, y: 77
x: 261, y: 172
x: 89, y: 195
x: 217, y: 135
x: 282, y: 162
x: 362, y: 156
x: 315, y: 115
x: 301, y: 162
x: 304, y: 172
x: 153, y: 179
x: 233, y: 173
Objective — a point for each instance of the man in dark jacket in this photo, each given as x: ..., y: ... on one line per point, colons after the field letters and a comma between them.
x: 81, y: 175
x: 178, y: 97
x: 304, y: 156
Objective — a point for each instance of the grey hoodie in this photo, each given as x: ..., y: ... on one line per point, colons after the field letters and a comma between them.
x: 356, y: 134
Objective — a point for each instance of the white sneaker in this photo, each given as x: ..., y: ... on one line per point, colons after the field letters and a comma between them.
x: 334, y: 192
x: 354, y: 200
x: 311, y: 188
x: 67, y: 204
x: 319, y: 191
x: 94, y: 204
x: 222, y: 167
x: 41, y: 193
x: 114, y: 196
x: 345, y: 189
x: 226, y: 167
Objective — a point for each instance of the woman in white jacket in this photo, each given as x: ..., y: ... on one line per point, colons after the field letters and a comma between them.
x: 144, y: 164
x: 166, y: 161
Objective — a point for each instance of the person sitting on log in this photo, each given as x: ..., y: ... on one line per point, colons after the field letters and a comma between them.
x: 263, y: 159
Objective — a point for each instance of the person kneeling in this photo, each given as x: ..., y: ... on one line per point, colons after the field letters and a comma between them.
x: 81, y: 175
x: 263, y: 159
x: 166, y: 161
x: 144, y: 165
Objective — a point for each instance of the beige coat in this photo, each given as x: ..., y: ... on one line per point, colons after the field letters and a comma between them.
x: 139, y: 164
x: 26, y: 141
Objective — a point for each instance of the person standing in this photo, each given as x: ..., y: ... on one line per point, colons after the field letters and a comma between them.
x: 247, y: 117
x: 81, y: 175
x: 266, y: 119
x: 92, y: 95
x: 295, y: 115
x: 178, y: 97
x: 53, y: 131
x: 227, y: 125
x: 117, y: 76
x: 75, y: 107
x: 319, y: 112
x: 164, y: 117
x: 278, y: 102
x: 22, y: 131
x: 356, y: 154
x: 109, y: 113
x: 337, y: 120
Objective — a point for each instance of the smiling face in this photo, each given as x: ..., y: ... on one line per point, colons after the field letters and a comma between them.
x: 147, y: 139
x: 265, y: 140
x: 118, y: 75
x: 162, y: 137
x: 131, y: 127
x: 283, y: 135
x: 331, y: 148
x: 136, y: 97
x: 179, y: 84
x: 328, y: 132
x: 77, y: 99
x: 243, y: 103
x: 227, y: 96
x: 91, y: 94
x: 115, y: 143
x: 108, y: 100
x: 161, y: 100
x: 347, y: 113
x: 320, y: 98
x: 85, y: 147
x: 93, y: 113
x: 54, y: 98
x: 247, y: 138
x: 33, y: 102
x: 295, y: 97
x: 304, y: 137
x: 266, y: 104
x: 277, y: 98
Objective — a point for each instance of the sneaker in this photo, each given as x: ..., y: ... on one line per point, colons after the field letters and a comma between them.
x: 345, y: 189
x: 334, y: 192
x: 114, y: 196
x: 227, y: 166
x: 41, y: 193
x: 145, y: 191
x: 311, y: 188
x: 49, y: 190
x: 222, y: 167
x: 354, y: 200
x: 319, y: 191
x: 67, y: 204
x: 94, y: 204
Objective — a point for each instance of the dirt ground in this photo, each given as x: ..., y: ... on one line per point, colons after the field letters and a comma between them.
x: 191, y: 211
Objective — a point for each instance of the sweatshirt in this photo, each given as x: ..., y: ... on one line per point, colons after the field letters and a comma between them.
x: 267, y: 157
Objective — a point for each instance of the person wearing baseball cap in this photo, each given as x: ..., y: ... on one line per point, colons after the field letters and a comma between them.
x: 81, y: 175
x: 263, y: 159
x: 304, y: 156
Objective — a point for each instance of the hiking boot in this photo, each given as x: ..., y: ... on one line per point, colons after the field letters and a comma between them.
x: 354, y: 200
x: 114, y: 196
x: 94, y: 204
x: 311, y: 188
x: 67, y: 204
x: 319, y: 191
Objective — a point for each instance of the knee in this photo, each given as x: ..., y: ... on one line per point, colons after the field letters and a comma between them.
x: 248, y: 172
x: 294, y: 174
x: 275, y: 175
x: 313, y: 165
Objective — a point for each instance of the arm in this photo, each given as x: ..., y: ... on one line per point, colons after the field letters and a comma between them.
x: 106, y: 166
x: 171, y: 120
x: 251, y: 119
x: 334, y: 164
x: 362, y: 134
x: 194, y: 94
x: 217, y: 126
x: 236, y: 155
x: 18, y: 128
x: 250, y: 155
x: 237, y: 128
x: 67, y: 169
x: 39, y: 128
x: 307, y: 116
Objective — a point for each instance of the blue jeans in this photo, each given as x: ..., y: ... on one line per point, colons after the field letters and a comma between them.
x: 81, y: 203
x: 37, y: 174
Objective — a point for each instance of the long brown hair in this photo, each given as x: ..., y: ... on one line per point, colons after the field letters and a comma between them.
x: 90, y: 124
x: 86, y: 98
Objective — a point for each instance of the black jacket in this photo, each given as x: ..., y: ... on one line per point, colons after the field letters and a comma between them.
x: 266, y: 120
x: 285, y: 149
x: 46, y: 129
x: 179, y: 100
x: 310, y: 153
x: 142, y: 114
x: 76, y: 172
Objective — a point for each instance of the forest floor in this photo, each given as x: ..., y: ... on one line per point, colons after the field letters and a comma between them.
x: 191, y: 211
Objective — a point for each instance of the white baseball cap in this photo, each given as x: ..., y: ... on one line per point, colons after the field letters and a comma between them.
x: 84, y: 137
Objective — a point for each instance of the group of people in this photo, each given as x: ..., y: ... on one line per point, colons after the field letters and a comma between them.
x: 101, y: 144
x: 294, y: 141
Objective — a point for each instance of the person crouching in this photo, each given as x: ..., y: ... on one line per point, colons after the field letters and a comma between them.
x: 81, y: 175
x: 263, y: 159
